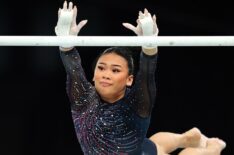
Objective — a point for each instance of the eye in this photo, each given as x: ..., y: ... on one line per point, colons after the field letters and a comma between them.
x: 115, y: 70
x: 100, y: 68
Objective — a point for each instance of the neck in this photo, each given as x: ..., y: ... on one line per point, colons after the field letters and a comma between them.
x: 114, y: 98
x: 111, y: 100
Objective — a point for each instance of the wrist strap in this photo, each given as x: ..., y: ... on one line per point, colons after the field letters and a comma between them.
x: 147, y: 26
x: 64, y: 23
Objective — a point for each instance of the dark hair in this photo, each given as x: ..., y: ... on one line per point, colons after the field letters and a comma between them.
x: 121, y: 51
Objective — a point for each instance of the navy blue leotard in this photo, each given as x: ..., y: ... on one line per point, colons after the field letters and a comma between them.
x: 118, y: 128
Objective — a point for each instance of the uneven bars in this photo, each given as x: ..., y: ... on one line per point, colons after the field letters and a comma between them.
x: 69, y: 41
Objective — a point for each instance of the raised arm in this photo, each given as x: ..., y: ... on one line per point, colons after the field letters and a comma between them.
x: 78, y: 88
x: 143, y: 92
x: 146, y: 26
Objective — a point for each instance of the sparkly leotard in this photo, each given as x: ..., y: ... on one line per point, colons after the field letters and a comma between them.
x: 118, y: 128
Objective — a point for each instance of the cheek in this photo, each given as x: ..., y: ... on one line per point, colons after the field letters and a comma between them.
x: 96, y: 76
x: 121, y: 80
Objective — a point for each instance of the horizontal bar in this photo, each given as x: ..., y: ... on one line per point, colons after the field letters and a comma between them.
x: 69, y: 41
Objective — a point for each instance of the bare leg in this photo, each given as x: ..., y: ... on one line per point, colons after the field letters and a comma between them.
x: 214, y: 147
x: 167, y: 142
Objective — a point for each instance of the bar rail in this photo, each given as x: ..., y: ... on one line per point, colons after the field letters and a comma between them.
x: 68, y: 41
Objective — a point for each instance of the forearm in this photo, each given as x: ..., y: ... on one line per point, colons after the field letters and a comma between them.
x: 144, y: 90
x: 147, y: 69
x: 77, y: 85
x: 71, y: 61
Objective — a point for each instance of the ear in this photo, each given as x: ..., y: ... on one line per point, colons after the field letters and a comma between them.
x: 129, y: 80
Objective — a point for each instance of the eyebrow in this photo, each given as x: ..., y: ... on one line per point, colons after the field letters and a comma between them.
x: 115, y: 65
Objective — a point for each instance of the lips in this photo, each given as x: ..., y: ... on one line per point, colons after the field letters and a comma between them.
x: 105, y: 84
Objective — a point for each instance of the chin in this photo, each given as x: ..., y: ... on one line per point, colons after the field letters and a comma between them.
x: 105, y: 95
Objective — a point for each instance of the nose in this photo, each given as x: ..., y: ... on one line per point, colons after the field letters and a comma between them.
x: 106, y: 75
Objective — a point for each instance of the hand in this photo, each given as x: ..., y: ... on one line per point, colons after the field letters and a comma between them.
x: 66, y: 24
x: 146, y: 26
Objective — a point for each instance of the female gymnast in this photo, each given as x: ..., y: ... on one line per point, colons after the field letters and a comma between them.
x: 113, y: 116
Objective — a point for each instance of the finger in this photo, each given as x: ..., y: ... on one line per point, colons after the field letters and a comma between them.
x: 154, y: 18
x: 139, y: 27
x: 55, y: 29
x: 140, y: 12
x: 156, y: 31
x: 70, y: 6
x: 59, y: 12
x: 81, y: 24
x: 141, y: 15
x: 65, y: 5
x: 74, y: 15
x: 130, y: 27
x: 138, y: 22
x: 146, y: 12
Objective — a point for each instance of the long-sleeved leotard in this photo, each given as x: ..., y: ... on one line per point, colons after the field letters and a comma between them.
x: 117, y: 128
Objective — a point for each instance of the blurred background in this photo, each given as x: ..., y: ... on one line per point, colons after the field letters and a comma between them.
x: 194, y: 84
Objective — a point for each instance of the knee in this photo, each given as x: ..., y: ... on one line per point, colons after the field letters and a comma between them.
x: 157, y: 136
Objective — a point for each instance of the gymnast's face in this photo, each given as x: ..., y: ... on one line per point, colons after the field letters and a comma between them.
x: 111, y: 77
